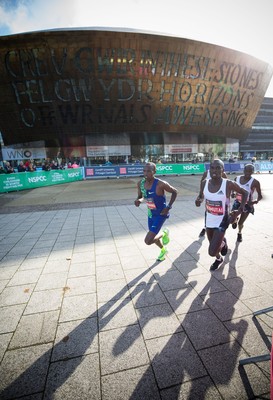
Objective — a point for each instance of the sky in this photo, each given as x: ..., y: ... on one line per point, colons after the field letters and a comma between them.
x: 243, y: 25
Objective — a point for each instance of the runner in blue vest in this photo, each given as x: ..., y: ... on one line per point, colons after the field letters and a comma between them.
x: 152, y: 191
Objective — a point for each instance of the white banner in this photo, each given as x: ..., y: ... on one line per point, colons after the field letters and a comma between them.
x: 103, y: 151
x: 96, y: 151
x: 180, y: 148
x: 24, y: 153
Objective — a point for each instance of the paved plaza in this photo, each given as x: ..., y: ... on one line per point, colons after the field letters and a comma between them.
x: 86, y: 311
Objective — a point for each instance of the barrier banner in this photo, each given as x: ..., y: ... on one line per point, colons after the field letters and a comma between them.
x: 31, y: 180
x: 230, y: 167
x: 137, y: 170
x: 265, y: 166
x: 100, y: 172
x: 179, y: 169
x: 131, y: 170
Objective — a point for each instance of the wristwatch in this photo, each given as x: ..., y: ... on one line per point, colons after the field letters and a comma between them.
x: 168, y: 206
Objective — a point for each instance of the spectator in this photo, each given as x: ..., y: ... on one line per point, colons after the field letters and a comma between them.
x: 8, y: 168
x: 27, y: 164
x: 69, y: 165
x: 21, y: 167
x: 2, y: 171
x: 31, y: 167
x: 46, y: 166
x: 75, y: 165
x: 54, y: 165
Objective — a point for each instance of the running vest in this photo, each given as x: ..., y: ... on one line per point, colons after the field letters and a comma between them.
x: 154, y: 202
x: 246, y: 186
x: 215, y: 204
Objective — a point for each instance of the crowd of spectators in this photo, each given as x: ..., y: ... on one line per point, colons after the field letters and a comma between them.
x: 30, y: 166
x: 47, y: 166
x: 7, y: 168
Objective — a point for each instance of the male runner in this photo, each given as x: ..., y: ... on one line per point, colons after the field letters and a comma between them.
x: 216, y: 192
x: 152, y: 190
x: 251, y: 185
x: 206, y: 175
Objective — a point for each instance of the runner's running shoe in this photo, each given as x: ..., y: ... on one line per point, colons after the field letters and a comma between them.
x: 234, y: 225
x: 202, y: 233
x: 216, y: 264
x: 162, y: 254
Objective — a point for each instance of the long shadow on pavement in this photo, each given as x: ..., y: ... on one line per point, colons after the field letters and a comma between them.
x: 42, y: 375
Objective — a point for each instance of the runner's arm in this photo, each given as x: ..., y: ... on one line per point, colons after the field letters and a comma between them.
x: 233, y: 194
x: 256, y: 185
x: 234, y: 187
x: 170, y: 189
x: 200, y: 196
x: 139, y: 198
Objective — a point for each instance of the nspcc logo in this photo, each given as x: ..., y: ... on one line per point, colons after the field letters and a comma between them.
x: 164, y: 168
x: 73, y: 174
x: 194, y: 168
x: 35, y: 179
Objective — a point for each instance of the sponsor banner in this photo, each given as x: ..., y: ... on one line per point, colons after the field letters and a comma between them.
x: 233, y: 167
x: 9, y: 153
x: 96, y: 151
x: 131, y: 170
x: 230, y: 168
x: 179, y: 169
x: 264, y: 166
x: 104, y: 151
x: 180, y: 148
x: 100, y: 172
x: 31, y: 180
x: 120, y: 150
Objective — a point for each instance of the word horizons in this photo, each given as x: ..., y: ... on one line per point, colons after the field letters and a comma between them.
x: 89, y: 90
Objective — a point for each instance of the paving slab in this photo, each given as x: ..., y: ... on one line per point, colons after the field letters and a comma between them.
x: 86, y: 311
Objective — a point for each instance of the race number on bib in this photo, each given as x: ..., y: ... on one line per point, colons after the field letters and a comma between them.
x: 150, y: 204
x: 214, y: 207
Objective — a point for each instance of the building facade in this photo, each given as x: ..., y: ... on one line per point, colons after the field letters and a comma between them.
x: 121, y: 96
x: 259, y: 142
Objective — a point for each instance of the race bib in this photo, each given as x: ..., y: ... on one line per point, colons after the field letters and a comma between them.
x: 150, y: 204
x: 214, y: 207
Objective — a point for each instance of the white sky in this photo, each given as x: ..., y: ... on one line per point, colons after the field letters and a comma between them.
x: 244, y: 25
